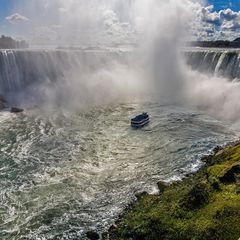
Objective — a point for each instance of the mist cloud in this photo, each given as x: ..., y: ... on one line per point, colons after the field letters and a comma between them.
x: 157, y: 26
x: 92, y: 22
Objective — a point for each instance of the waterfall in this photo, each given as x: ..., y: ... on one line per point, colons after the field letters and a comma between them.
x: 218, y: 62
x: 35, y: 71
x: 60, y: 74
x: 224, y: 63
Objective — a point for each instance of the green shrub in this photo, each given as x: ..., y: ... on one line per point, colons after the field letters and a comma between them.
x: 197, y: 197
x: 214, y: 182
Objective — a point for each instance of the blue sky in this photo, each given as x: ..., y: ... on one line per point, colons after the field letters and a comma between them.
x: 6, y: 6
x: 223, y: 4
x: 25, y: 18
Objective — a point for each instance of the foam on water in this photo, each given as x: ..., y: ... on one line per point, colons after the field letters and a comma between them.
x: 67, y: 173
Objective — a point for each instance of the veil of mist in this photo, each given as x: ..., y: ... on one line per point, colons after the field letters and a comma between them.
x: 119, y: 119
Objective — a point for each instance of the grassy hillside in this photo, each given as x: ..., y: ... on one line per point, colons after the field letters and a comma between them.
x: 203, y: 206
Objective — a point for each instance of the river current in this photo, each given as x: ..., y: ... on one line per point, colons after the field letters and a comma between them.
x: 65, y: 173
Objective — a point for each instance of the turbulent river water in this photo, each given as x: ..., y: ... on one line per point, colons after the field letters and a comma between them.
x: 65, y: 172
x: 68, y: 173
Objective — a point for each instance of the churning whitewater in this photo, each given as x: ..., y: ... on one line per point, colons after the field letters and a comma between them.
x: 71, y: 162
x: 69, y: 173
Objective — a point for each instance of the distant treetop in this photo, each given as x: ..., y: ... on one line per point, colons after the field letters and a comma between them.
x: 216, y: 44
x: 237, y: 40
x: 9, y: 43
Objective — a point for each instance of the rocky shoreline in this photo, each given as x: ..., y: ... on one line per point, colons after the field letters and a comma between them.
x: 204, y: 205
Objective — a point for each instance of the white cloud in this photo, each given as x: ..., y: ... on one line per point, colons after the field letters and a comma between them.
x: 231, y: 25
x: 211, y: 25
x: 228, y: 14
x: 109, y: 21
x: 16, y: 18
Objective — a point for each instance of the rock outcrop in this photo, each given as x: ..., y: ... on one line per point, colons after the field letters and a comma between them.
x: 16, y: 110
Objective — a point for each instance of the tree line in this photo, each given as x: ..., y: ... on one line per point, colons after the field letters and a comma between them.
x: 9, y: 43
x: 216, y: 44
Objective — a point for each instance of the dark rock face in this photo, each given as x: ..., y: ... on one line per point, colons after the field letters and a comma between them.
x: 140, y: 195
x: 92, y: 235
x: 161, y: 186
x: 16, y: 110
x: 229, y: 176
x: 209, y: 160
x: 217, y: 149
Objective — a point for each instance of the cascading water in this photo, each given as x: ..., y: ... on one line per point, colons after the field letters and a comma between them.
x: 36, y: 75
x: 225, y: 63
x: 24, y: 70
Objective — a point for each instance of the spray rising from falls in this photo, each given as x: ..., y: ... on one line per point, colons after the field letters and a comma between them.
x: 212, y: 82
x: 59, y: 77
x: 76, y: 78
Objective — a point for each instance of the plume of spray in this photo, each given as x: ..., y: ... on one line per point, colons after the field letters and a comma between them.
x: 169, y: 74
x: 157, y: 68
x: 156, y: 26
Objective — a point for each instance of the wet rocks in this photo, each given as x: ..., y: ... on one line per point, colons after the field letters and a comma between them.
x: 140, y: 195
x: 92, y: 235
x: 217, y: 149
x: 230, y: 175
x: 16, y: 110
x: 209, y: 160
x: 161, y: 186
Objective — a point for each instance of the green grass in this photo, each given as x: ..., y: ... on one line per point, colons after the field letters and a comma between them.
x: 201, y: 207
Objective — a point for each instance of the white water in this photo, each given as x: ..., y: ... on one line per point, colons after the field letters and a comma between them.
x: 66, y: 173
x: 220, y: 62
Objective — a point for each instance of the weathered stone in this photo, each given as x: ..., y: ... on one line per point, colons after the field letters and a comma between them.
x: 161, y: 186
x: 113, y: 227
x: 229, y: 176
x: 16, y: 110
x: 92, y: 235
x: 217, y: 149
x: 209, y: 160
x: 140, y: 195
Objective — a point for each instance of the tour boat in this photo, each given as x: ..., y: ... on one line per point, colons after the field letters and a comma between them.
x: 140, y: 120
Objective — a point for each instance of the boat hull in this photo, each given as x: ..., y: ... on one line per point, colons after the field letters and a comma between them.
x: 140, y: 124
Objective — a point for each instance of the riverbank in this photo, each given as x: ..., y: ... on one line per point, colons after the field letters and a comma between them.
x: 203, y: 206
